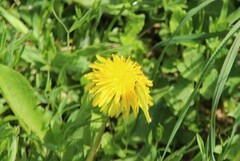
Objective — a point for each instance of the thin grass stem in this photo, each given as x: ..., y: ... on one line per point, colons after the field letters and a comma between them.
x: 96, y: 144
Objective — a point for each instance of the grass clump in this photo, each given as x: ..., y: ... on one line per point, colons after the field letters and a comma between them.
x: 187, y: 51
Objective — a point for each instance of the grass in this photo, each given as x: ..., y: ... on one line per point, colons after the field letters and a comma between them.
x: 188, y: 48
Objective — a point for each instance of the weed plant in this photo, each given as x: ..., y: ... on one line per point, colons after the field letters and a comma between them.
x: 188, y: 51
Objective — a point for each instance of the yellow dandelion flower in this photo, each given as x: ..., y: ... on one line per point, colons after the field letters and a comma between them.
x: 118, y: 85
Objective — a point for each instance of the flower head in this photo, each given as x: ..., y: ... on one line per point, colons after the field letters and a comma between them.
x: 118, y: 85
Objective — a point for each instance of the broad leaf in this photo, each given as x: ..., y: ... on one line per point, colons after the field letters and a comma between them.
x: 23, y: 101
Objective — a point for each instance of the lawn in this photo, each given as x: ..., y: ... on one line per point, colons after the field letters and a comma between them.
x: 119, y: 80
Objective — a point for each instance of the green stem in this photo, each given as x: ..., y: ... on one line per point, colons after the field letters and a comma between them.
x: 95, y: 146
x: 64, y: 26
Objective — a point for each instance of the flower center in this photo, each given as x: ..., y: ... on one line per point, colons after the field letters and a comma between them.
x: 123, y: 77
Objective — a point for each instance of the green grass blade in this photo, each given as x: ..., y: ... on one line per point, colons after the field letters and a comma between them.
x: 13, y: 148
x: 191, y: 13
x: 110, y: 26
x: 204, y: 73
x: 230, y: 140
x: 22, y: 101
x: 226, y: 68
x: 16, y: 43
x: 86, y: 17
x: 15, y: 22
x: 81, y: 21
x: 189, y: 38
x: 201, y: 146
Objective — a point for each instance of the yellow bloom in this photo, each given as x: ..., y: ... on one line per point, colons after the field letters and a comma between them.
x: 118, y: 85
